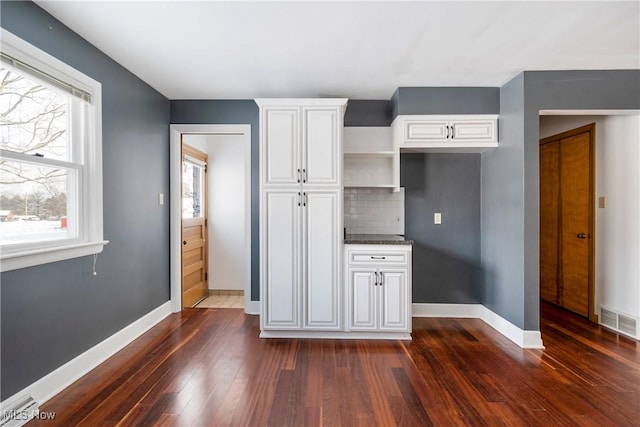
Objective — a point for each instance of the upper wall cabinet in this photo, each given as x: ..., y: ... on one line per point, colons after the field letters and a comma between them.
x: 446, y: 134
x: 302, y: 141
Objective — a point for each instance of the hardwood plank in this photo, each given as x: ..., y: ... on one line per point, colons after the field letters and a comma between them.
x: 207, y: 367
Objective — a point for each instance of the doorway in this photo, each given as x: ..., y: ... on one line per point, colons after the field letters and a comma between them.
x: 194, y: 234
x: 195, y: 135
x: 566, y: 220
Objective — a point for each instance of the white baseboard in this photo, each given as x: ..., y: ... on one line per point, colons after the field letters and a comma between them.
x: 253, y: 307
x: 53, y: 383
x: 525, y: 339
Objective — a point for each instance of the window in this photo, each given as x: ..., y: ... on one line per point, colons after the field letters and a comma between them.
x: 50, y: 158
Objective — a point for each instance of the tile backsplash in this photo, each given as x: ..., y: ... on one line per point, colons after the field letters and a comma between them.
x: 373, y: 211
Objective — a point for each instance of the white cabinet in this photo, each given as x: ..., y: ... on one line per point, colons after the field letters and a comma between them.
x: 300, y: 215
x: 378, y: 287
x: 281, y: 243
x: 301, y: 140
x: 321, y: 266
x: 445, y: 133
x: 370, y: 160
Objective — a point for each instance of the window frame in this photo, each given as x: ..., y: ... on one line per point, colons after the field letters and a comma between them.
x: 89, y: 239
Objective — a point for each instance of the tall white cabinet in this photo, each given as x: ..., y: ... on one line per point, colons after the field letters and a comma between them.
x: 300, y: 215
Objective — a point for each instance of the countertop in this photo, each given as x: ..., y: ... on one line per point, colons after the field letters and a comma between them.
x: 376, y: 239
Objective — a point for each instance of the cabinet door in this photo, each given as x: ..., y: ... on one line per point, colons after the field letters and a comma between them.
x: 322, y: 256
x: 473, y: 130
x: 281, y: 246
x: 394, y: 300
x: 322, y: 148
x: 362, y: 299
x: 425, y: 131
x: 281, y: 146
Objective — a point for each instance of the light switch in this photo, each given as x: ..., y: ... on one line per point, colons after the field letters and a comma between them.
x: 161, y: 198
x: 437, y: 218
x: 601, y: 202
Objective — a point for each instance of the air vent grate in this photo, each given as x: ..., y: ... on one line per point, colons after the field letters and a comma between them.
x: 608, y: 318
x: 620, y: 322
x: 627, y: 324
x: 19, y: 413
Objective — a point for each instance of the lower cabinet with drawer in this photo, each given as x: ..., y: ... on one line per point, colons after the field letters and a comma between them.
x: 378, y: 290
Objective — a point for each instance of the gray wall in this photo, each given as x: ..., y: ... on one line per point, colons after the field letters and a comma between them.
x: 446, y: 257
x: 502, y: 204
x: 445, y: 100
x: 369, y: 112
x: 231, y: 112
x: 510, y: 192
x: 54, y: 312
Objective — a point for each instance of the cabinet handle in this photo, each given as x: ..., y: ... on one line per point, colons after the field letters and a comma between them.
x: 453, y: 133
x: 304, y: 176
x: 298, y: 176
x: 304, y: 202
x: 376, y: 282
x: 447, y: 132
x: 381, y: 279
x: 298, y: 198
x: 378, y: 257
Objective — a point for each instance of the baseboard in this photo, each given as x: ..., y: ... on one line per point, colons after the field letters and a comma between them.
x: 525, y: 339
x: 253, y: 307
x: 53, y: 383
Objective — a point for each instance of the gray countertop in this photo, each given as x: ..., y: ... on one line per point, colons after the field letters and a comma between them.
x: 376, y: 239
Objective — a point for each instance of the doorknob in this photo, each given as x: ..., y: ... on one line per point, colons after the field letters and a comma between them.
x: 184, y: 242
x: 581, y: 236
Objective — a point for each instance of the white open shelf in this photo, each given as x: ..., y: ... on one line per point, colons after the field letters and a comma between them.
x: 370, y: 159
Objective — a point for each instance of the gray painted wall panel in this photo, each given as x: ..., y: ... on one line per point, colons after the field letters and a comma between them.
x: 368, y: 112
x: 596, y: 90
x: 502, y: 203
x: 445, y: 100
x: 446, y: 257
x: 510, y: 191
x: 231, y: 112
x: 52, y: 313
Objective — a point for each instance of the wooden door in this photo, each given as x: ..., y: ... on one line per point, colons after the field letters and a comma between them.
x: 281, y: 255
x: 194, y: 226
x: 575, y: 218
x: 549, y: 220
x: 322, y: 259
x: 566, y: 225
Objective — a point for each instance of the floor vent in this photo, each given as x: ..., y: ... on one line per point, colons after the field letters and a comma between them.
x: 19, y: 413
x: 622, y: 323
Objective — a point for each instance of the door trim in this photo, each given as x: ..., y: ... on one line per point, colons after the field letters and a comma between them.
x: 175, y: 161
x: 591, y: 128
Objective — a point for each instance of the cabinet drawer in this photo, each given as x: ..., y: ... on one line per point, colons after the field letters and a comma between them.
x: 377, y: 257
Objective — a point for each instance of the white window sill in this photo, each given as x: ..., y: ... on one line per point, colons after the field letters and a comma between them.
x: 14, y: 261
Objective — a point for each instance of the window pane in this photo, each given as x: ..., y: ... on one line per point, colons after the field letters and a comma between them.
x: 34, y: 203
x: 34, y: 118
x: 192, y: 190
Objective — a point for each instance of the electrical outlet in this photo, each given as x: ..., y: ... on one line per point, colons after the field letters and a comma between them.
x: 437, y: 218
x: 161, y: 198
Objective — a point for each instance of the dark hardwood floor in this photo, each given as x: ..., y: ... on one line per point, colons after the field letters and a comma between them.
x: 207, y: 367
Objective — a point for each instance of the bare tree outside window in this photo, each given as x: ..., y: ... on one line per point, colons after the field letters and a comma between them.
x: 34, y: 121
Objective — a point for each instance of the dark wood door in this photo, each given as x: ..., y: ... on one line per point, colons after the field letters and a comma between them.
x: 566, y: 220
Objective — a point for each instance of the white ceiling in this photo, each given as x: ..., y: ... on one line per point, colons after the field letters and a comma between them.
x: 360, y: 50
